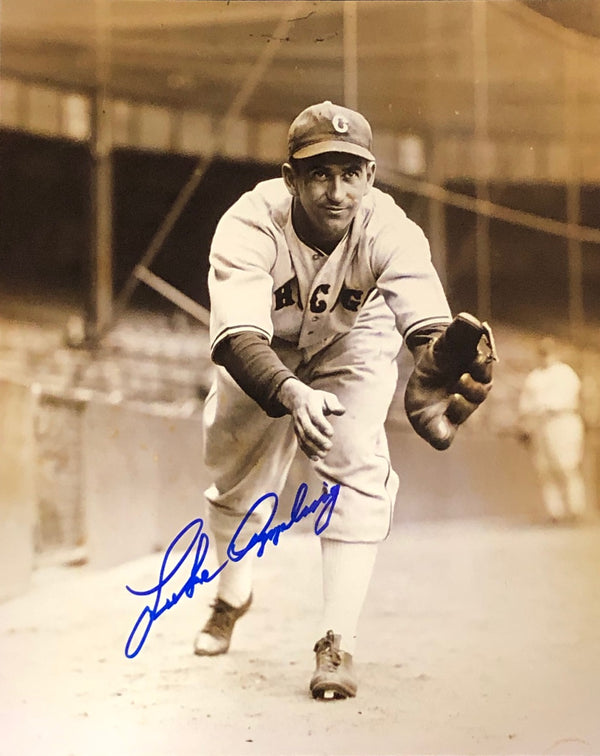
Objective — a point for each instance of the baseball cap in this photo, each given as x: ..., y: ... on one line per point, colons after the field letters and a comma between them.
x: 326, y: 127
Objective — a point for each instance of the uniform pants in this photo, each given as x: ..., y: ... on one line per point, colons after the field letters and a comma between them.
x: 558, y: 455
x: 249, y: 454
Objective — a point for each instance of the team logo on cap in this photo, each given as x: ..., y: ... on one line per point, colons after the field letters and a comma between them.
x: 340, y: 124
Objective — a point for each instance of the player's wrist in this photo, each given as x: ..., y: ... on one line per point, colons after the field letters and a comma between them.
x: 288, y: 392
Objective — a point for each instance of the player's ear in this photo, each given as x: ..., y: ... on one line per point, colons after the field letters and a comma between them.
x: 289, y: 176
x: 370, y: 171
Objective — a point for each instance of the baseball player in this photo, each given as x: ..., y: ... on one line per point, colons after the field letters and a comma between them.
x: 315, y: 279
x: 552, y: 425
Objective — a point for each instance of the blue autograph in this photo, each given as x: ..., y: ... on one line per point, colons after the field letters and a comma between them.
x: 198, y: 546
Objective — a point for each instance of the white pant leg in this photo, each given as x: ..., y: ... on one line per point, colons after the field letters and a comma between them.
x: 558, y: 455
x: 563, y: 437
x: 553, y: 498
x: 247, y: 452
x: 361, y: 369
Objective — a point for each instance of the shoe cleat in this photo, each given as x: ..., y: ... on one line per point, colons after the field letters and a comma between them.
x: 333, y: 677
x: 215, y: 636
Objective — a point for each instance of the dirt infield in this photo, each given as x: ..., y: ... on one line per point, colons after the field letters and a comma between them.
x: 477, y: 638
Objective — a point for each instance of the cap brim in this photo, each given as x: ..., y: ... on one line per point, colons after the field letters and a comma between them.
x: 333, y: 146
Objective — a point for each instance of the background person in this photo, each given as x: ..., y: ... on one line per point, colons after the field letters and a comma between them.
x: 551, y: 424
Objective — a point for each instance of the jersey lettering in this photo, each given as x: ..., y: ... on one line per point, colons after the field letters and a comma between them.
x: 284, y: 296
x: 351, y: 299
x: 319, y: 305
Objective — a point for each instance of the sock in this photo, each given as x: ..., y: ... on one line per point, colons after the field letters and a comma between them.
x: 347, y: 570
x: 235, y: 581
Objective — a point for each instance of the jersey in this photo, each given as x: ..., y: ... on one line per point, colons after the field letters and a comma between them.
x: 549, y: 390
x: 264, y: 279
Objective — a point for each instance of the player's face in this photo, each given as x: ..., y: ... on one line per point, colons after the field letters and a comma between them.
x: 329, y: 189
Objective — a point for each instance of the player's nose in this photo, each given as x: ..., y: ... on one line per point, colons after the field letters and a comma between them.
x: 335, y: 189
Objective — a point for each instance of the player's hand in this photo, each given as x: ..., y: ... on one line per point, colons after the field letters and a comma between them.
x: 451, y: 378
x: 309, y: 409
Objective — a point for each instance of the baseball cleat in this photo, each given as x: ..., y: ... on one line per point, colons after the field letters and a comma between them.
x: 215, y: 636
x: 334, y: 674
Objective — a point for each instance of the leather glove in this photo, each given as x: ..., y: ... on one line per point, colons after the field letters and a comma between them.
x: 452, y: 376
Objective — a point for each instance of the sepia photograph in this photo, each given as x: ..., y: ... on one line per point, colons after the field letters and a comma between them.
x: 299, y: 377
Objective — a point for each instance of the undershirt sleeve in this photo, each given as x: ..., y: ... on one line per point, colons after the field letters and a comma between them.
x: 255, y: 367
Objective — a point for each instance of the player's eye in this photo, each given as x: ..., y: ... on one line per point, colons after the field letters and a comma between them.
x: 319, y: 174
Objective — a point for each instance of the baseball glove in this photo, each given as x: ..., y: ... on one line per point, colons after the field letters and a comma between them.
x: 452, y: 376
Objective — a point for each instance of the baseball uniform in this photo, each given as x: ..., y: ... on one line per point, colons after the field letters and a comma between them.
x: 549, y: 407
x: 315, y: 279
x: 336, y: 321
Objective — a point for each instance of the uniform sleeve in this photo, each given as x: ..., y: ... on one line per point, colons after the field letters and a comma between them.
x: 239, y: 281
x: 407, y: 278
